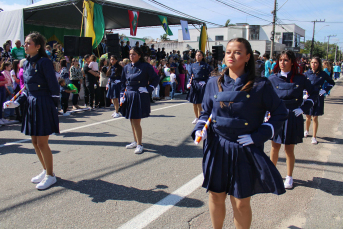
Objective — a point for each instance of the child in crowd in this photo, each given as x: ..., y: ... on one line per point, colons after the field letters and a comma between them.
x: 173, y: 83
x: 65, y: 93
x: 6, y: 68
x: 93, y: 64
x: 336, y: 71
x: 3, y: 82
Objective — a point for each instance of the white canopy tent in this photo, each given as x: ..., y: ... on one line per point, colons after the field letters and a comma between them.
x: 67, y: 14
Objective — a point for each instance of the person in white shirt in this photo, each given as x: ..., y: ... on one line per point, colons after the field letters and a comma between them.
x: 173, y: 83
x: 93, y: 64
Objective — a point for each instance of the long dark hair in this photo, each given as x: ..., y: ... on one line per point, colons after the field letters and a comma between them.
x: 16, y: 66
x: 102, y: 63
x: 320, y: 65
x: 295, y: 67
x: 39, y: 39
x: 139, y: 52
x: 250, y: 68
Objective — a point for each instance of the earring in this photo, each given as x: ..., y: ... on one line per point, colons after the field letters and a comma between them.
x: 246, y: 64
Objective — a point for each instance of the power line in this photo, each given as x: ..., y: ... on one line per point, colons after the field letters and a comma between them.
x: 181, y: 13
x: 250, y: 8
x: 240, y: 10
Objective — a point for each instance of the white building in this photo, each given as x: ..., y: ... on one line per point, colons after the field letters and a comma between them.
x: 287, y: 35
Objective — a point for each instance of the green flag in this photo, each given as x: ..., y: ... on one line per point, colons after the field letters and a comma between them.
x: 165, y: 26
x: 99, y: 24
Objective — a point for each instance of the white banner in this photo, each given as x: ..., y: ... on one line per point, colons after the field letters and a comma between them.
x: 185, y: 31
x: 12, y: 26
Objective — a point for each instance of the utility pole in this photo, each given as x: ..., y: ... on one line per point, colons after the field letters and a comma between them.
x: 327, y: 50
x: 273, y: 32
x: 314, y: 27
x: 336, y: 52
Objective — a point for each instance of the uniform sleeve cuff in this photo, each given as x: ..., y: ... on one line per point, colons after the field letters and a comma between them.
x: 271, y: 126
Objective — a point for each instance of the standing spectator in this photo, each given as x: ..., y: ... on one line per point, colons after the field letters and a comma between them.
x: 54, y: 51
x: 188, y: 69
x: 6, y: 53
x: 126, y: 51
x: 103, y: 82
x: 336, y: 70
x: 163, y: 54
x: 16, y: 84
x: 48, y: 51
x: 182, y: 71
x: 153, y: 52
x: 76, y: 79
x: 91, y: 81
x: 122, y: 49
x: 18, y: 52
x: 185, y: 56
x: 156, y: 92
x: 114, y: 85
x: 21, y: 72
x: 173, y: 83
x: 267, y: 66
x: 3, y: 82
x: 64, y: 71
x: 59, y: 53
x: 166, y: 81
x: 158, y: 54
x: 5, y: 70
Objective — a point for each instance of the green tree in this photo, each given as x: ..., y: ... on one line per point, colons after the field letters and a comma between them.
x: 227, y: 23
x: 164, y: 37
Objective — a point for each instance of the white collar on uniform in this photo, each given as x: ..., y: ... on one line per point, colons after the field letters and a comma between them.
x: 284, y: 74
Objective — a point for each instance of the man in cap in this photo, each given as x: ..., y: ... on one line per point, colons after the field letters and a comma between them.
x: 259, y: 64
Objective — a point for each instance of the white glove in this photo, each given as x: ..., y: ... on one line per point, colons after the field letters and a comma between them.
x: 198, y: 134
x: 202, y: 83
x: 189, y: 86
x: 298, y: 112
x: 122, y: 100
x: 117, y: 81
x: 143, y: 90
x: 10, y: 104
x: 305, y: 97
x: 245, y: 140
x: 106, y: 87
x: 322, y: 92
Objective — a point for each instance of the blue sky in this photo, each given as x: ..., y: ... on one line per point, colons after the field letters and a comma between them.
x: 211, y: 10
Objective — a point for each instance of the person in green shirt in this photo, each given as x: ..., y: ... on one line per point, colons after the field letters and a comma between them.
x: 18, y: 52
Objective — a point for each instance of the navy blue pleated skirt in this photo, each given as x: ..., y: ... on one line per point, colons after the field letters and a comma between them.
x: 196, y: 93
x: 136, y: 105
x: 113, y: 91
x: 239, y: 171
x: 40, y: 116
x: 318, y: 108
x: 292, y: 130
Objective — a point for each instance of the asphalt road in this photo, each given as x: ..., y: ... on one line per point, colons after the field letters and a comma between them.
x: 103, y: 185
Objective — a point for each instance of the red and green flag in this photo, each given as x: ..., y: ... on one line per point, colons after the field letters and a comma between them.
x: 133, y: 16
x: 165, y: 25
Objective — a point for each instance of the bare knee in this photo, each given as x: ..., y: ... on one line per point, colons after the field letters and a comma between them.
x: 217, y: 198
x: 242, y: 205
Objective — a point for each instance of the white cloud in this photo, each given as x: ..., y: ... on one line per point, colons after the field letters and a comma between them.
x: 9, y: 7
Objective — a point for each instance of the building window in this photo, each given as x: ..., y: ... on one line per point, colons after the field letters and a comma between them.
x: 254, y: 32
x: 287, y: 39
x: 219, y: 38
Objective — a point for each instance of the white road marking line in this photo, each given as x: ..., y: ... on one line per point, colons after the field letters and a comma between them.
x: 80, y: 127
x: 155, y: 211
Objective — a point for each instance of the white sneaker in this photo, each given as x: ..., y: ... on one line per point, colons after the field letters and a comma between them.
x: 132, y: 145
x: 39, y: 177
x: 288, y: 182
x: 117, y: 115
x: 195, y: 121
x: 113, y: 114
x: 139, y: 149
x: 305, y: 134
x: 66, y: 114
x: 46, y: 182
x: 314, y: 141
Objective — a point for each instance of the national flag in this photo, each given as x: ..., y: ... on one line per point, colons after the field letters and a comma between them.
x: 203, y: 38
x: 95, y: 24
x: 165, y: 25
x: 133, y: 16
x: 185, y: 31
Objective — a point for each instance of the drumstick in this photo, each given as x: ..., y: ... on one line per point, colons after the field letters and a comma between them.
x: 17, y: 95
x: 207, y: 124
x: 123, y: 96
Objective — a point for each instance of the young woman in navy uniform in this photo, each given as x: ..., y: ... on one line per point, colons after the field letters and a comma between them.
x: 40, y: 99
x: 114, y: 84
x: 234, y: 162
x: 138, y: 79
x: 289, y: 85
x: 317, y: 77
x: 200, y: 72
